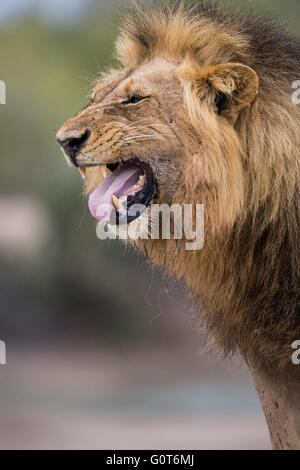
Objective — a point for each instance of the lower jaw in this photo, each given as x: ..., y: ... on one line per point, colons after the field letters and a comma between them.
x: 126, y: 218
x: 134, y: 230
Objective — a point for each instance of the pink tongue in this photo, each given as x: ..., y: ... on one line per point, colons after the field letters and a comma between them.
x: 119, y: 183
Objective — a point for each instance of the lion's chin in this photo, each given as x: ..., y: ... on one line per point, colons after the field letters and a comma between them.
x: 137, y: 229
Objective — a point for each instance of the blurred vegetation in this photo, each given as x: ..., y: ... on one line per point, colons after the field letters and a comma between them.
x: 75, y: 284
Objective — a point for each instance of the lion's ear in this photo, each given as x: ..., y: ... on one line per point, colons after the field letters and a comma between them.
x: 231, y: 87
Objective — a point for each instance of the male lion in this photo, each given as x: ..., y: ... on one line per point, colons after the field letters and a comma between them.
x: 201, y: 111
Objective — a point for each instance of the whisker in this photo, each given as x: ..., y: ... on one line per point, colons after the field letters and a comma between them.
x: 135, y: 134
x: 126, y: 126
x: 148, y: 126
x: 140, y: 139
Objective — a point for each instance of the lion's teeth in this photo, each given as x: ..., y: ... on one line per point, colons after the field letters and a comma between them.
x: 105, y: 171
x: 140, y: 183
x: 142, y: 179
x: 82, y: 171
x: 116, y: 202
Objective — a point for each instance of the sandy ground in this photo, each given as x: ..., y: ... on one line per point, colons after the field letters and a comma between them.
x: 85, y: 398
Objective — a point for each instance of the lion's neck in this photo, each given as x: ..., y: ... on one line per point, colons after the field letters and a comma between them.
x: 245, y: 286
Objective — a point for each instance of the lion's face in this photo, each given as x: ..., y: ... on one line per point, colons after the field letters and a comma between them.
x: 155, y: 133
x: 131, y: 127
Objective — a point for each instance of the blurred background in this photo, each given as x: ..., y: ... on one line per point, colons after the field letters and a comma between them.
x: 101, y: 351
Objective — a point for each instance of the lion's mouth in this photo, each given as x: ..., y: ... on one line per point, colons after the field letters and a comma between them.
x: 125, y: 193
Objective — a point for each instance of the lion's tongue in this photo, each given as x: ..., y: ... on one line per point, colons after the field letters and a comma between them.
x: 118, y: 183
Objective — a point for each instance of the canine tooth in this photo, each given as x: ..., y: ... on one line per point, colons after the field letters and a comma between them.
x: 142, y: 179
x: 105, y: 171
x: 116, y: 202
x: 82, y: 171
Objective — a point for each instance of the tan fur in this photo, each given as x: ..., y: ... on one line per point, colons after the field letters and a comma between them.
x: 242, y: 162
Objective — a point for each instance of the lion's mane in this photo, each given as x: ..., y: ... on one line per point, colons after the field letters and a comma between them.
x: 246, y: 278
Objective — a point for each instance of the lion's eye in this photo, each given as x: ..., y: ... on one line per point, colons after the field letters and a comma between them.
x: 134, y: 99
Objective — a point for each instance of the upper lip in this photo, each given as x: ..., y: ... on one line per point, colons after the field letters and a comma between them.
x: 82, y: 166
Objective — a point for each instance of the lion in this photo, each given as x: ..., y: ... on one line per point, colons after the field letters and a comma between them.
x: 201, y: 111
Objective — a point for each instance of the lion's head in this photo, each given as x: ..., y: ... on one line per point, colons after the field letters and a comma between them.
x: 187, y: 120
x: 164, y: 123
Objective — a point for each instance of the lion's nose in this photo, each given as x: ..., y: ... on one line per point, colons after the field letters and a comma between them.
x: 72, y: 141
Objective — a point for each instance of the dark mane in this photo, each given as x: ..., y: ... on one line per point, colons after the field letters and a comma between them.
x: 264, y: 36
x: 247, y: 286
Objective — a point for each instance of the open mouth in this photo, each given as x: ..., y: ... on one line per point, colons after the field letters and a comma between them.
x: 126, y: 192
